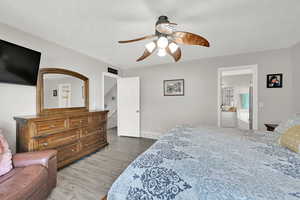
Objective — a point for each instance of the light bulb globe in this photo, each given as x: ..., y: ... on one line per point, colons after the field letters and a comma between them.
x: 173, y: 47
x: 162, y: 42
x: 150, y: 46
x: 161, y: 52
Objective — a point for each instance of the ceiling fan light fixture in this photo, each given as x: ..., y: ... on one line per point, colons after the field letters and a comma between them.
x: 167, y: 40
x: 162, y: 42
x: 161, y: 52
x: 150, y: 46
x: 173, y: 47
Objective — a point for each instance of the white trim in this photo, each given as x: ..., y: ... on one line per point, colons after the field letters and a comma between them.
x: 103, y: 86
x: 254, y: 69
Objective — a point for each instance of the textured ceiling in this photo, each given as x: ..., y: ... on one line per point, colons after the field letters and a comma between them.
x: 93, y: 27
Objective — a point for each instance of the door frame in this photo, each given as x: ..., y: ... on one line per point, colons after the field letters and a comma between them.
x: 254, y: 72
x: 106, y: 74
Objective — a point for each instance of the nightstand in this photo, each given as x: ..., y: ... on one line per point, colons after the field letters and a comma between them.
x: 271, y: 127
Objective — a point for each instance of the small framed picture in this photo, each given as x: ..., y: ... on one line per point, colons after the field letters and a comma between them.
x: 174, y: 87
x: 54, y: 93
x: 274, y: 81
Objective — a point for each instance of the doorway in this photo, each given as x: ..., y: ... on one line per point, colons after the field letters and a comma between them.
x: 121, y: 96
x: 110, y: 98
x: 237, y: 97
x: 64, y: 95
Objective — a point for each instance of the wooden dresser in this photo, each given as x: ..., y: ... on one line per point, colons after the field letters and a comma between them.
x: 73, y: 135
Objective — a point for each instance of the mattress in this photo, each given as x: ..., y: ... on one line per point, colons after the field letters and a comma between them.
x: 211, y: 164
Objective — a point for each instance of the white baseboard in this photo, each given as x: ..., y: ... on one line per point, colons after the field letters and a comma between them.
x: 149, y: 134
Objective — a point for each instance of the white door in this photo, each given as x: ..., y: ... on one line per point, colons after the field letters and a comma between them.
x: 129, y: 107
x: 64, y: 95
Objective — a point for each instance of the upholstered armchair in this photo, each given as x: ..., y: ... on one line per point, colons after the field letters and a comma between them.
x: 32, y: 178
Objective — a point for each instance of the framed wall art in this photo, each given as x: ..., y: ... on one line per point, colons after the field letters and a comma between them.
x: 174, y: 87
x: 274, y: 81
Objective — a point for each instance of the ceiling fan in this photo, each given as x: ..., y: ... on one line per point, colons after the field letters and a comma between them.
x: 166, y: 40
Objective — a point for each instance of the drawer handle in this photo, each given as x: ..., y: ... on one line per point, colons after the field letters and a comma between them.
x: 52, y: 126
x: 73, y: 150
x: 45, y: 144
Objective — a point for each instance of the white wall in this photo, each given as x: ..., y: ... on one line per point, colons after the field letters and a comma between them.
x: 21, y: 100
x: 295, y: 56
x: 199, y: 105
x: 237, y: 80
x: 110, y: 101
x: 109, y: 84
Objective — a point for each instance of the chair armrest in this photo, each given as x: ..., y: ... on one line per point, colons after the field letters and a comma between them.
x: 33, y: 158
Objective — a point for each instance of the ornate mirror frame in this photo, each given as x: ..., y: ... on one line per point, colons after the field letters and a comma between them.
x: 41, y: 110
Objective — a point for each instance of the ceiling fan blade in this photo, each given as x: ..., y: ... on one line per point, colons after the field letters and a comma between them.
x: 145, y: 54
x: 138, y: 39
x: 176, y: 55
x: 189, y: 39
x: 166, y: 28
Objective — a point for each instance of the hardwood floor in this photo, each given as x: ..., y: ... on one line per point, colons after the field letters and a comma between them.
x: 91, y: 177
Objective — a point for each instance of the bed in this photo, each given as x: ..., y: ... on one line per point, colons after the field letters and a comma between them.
x: 211, y: 164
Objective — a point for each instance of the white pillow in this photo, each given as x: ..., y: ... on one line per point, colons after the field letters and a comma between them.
x: 285, y: 125
x: 5, y: 156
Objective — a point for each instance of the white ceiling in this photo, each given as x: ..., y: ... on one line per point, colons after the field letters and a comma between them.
x: 93, y: 27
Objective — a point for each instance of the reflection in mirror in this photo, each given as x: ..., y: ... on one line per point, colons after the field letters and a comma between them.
x: 63, y: 91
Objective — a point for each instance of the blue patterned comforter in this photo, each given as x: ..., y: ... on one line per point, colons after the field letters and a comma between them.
x: 211, y: 164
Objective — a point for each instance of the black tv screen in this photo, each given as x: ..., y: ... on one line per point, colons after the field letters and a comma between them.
x: 18, y: 65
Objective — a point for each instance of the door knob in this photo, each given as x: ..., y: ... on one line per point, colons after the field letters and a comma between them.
x: 137, y: 111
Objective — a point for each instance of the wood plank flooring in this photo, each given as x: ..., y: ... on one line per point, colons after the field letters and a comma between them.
x: 91, y: 177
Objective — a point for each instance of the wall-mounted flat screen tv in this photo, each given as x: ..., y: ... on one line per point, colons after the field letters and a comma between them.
x: 18, y: 65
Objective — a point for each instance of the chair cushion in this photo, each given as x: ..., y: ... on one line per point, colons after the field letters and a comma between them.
x: 291, y: 139
x: 24, y: 182
x: 5, y: 156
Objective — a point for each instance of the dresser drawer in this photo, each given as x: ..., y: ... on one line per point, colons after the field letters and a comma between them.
x: 48, y: 126
x: 91, y: 131
x: 68, y: 151
x: 76, y: 122
x: 93, y: 147
x: 58, y: 139
x: 97, y: 117
x: 97, y: 124
x: 73, y: 135
x: 98, y: 137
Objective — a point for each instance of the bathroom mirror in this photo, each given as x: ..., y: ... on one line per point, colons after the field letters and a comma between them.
x: 61, y: 90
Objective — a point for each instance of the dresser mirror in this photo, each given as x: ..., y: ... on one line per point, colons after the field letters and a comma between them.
x: 61, y: 91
